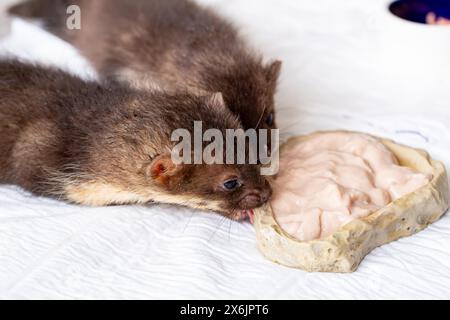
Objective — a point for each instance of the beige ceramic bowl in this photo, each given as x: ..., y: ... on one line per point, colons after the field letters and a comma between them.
x: 344, y: 250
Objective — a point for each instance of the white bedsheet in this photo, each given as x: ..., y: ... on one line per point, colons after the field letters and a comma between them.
x: 337, y: 73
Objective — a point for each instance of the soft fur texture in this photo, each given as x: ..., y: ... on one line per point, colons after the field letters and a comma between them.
x: 97, y: 144
x: 171, y: 44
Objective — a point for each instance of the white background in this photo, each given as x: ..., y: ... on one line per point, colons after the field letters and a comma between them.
x: 347, y: 64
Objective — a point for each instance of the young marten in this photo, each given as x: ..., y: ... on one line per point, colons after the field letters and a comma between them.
x: 94, y: 144
x: 171, y: 44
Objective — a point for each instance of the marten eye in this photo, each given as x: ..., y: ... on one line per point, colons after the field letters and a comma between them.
x: 269, y: 119
x: 231, y: 184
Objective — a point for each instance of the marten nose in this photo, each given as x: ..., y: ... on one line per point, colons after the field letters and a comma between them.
x: 255, y: 198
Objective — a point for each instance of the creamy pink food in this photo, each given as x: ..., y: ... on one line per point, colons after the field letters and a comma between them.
x: 332, y: 178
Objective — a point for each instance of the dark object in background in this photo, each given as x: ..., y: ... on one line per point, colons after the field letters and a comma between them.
x: 418, y: 10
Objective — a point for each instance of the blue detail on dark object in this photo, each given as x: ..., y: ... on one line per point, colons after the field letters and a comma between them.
x: 417, y: 10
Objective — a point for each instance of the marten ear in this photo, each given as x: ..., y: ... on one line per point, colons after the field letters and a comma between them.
x: 273, y: 71
x: 215, y: 100
x: 163, y: 171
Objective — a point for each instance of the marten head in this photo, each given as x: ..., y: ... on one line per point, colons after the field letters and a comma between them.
x: 129, y: 160
x: 249, y: 90
x: 228, y: 189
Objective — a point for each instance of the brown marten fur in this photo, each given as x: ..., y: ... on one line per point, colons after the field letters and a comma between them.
x: 171, y: 44
x: 98, y: 144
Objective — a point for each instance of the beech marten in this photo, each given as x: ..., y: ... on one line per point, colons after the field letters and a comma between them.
x: 101, y: 144
x: 170, y: 44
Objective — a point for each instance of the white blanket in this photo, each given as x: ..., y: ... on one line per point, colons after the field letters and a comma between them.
x: 341, y: 69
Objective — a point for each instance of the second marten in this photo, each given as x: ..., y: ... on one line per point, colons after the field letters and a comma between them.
x: 171, y: 44
x: 97, y: 144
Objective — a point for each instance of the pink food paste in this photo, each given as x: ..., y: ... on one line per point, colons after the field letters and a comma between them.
x: 330, y: 179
